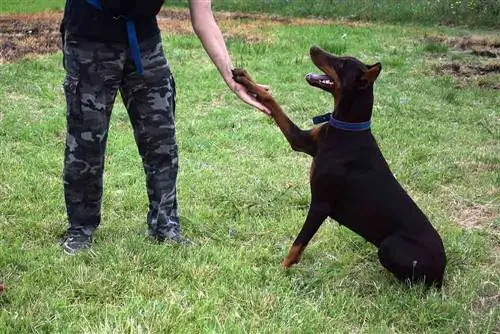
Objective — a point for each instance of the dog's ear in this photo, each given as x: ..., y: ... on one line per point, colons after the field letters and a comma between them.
x: 370, y: 75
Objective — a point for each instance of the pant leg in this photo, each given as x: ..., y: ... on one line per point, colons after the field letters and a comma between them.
x: 93, y: 75
x: 150, y: 102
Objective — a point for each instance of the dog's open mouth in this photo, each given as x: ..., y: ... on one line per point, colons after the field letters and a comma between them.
x: 320, y: 80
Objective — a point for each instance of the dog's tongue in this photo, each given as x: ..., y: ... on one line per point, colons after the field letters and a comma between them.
x: 314, y: 76
x: 317, y: 77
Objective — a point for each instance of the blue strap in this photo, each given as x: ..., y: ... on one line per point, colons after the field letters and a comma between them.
x: 348, y: 126
x: 132, y: 38
x: 134, y: 46
x: 95, y: 3
x: 322, y: 118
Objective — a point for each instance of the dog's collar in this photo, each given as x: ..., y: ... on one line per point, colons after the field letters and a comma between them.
x: 347, y: 126
x: 322, y: 118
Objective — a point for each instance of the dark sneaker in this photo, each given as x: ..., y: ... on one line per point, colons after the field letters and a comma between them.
x: 72, y: 244
x: 179, y: 239
x: 175, y: 238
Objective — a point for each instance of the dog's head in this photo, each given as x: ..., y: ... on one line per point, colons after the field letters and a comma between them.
x: 346, y: 78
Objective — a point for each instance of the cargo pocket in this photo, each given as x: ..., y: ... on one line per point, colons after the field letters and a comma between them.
x: 71, y: 91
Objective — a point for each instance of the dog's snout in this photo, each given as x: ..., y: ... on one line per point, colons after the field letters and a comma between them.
x: 315, y: 50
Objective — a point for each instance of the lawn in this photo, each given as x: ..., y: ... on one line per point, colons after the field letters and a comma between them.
x: 476, y: 13
x: 244, y: 194
x: 30, y: 6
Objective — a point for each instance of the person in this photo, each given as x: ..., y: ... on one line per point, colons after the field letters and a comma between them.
x: 111, y: 46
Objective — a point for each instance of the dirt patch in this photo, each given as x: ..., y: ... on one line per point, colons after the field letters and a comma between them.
x: 468, y: 70
x: 479, y: 46
x: 476, y: 216
x: 22, y: 35
x: 483, y: 74
x: 489, y: 298
x: 482, y: 46
x: 467, y: 75
x: 35, y: 34
x: 478, y: 59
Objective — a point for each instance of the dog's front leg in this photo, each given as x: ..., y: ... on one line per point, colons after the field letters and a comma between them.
x: 315, y: 217
x: 299, y: 140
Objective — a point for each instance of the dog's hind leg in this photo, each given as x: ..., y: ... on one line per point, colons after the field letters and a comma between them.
x: 315, y: 217
x: 412, y: 262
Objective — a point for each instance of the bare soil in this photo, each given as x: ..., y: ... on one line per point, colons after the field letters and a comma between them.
x: 476, y: 216
x: 22, y: 35
x: 484, y: 68
x: 37, y: 34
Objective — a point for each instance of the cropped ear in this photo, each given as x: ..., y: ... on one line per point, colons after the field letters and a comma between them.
x: 370, y: 75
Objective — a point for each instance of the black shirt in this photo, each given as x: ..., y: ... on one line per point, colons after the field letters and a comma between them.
x: 83, y: 20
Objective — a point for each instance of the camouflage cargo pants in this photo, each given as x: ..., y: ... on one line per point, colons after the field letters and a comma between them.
x: 94, y: 73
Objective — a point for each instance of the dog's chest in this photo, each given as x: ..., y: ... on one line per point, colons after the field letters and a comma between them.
x: 326, y: 169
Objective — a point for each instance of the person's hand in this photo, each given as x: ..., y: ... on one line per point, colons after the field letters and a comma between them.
x: 248, y: 98
x: 211, y: 38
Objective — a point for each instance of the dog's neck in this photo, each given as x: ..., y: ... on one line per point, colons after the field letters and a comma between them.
x: 349, y: 126
x: 355, y: 108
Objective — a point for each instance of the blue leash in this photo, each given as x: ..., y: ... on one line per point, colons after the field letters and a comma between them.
x: 132, y: 38
x: 134, y: 46
x: 95, y: 3
x: 347, y: 126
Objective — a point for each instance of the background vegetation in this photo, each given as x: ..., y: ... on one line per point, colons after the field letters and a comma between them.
x: 244, y: 194
x: 475, y: 13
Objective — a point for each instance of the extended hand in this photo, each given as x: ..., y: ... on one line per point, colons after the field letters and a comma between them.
x: 248, y: 98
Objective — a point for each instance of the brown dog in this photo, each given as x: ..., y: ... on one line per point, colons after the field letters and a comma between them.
x: 350, y: 179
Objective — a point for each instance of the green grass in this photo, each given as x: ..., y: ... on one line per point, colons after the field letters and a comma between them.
x: 474, y: 13
x: 482, y: 13
x: 30, y: 6
x: 244, y: 195
x: 435, y: 47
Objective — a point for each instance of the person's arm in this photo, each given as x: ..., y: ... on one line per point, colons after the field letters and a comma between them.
x: 208, y: 32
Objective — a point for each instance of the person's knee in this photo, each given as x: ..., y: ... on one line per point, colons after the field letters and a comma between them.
x: 161, y: 157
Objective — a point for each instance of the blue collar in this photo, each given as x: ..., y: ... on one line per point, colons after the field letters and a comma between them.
x: 347, y: 126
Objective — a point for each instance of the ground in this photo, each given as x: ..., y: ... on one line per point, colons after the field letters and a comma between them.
x: 245, y: 194
x: 35, y: 34
x: 484, y: 50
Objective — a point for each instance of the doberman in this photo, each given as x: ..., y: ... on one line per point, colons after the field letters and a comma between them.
x: 350, y: 180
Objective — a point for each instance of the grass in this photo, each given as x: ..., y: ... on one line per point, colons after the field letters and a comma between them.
x: 244, y: 194
x: 435, y: 47
x: 474, y: 13
x: 30, y: 6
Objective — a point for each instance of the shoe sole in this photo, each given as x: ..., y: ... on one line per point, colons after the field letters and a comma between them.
x: 71, y: 251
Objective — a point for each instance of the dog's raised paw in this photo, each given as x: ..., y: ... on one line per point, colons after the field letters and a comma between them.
x: 240, y: 74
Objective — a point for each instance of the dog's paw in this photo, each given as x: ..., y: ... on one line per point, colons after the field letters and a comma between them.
x: 293, y: 256
x: 241, y: 76
x: 239, y: 72
x: 288, y: 262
